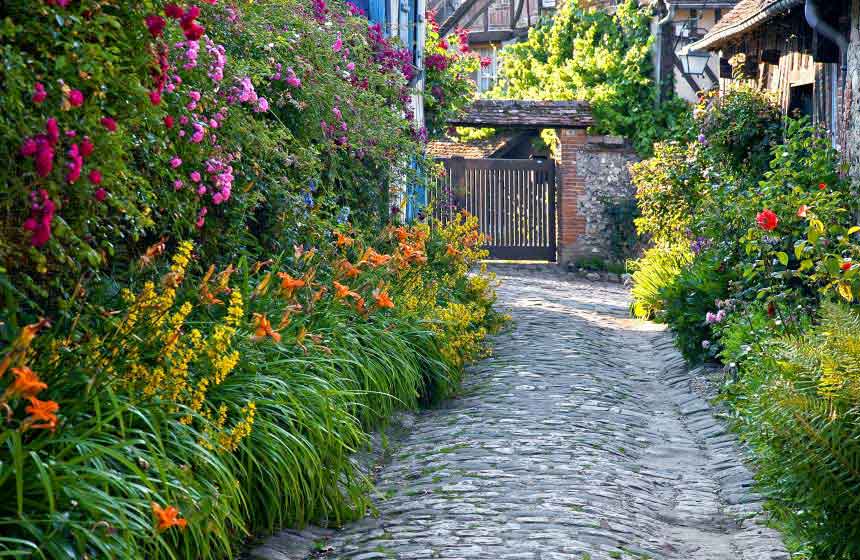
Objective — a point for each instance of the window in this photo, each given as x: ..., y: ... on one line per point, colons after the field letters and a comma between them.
x: 487, y: 76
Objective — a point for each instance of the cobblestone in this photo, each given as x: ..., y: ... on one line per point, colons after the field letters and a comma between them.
x: 582, y: 438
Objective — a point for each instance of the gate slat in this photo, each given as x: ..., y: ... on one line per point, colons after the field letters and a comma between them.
x: 514, y: 201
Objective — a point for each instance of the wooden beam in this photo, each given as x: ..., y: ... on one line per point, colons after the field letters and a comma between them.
x: 451, y: 22
x: 518, y: 14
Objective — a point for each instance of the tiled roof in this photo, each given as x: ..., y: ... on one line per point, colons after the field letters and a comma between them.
x: 473, y: 149
x: 747, y: 15
x: 510, y: 113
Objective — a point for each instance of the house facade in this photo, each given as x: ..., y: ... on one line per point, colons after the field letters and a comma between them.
x: 797, y: 49
x: 490, y: 24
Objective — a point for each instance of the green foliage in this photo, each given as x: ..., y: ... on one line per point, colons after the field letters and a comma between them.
x: 797, y: 400
x: 605, y: 59
x: 254, y: 136
x: 772, y: 223
x: 668, y: 190
x: 687, y: 300
x: 742, y: 126
x: 623, y: 237
x: 657, y: 268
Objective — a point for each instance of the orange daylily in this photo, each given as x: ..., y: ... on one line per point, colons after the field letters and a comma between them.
x: 41, y: 411
x: 374, y: 259
x: 411, y: 254
x: 348, y: 270
x: 342, y: 291
x: 167, y: 517
x: 263, y: 328
x: 343, y: 240
x: 206, y: 296
x: 290, y: 284
x: 260, y: 264
x: 401, y: 233
x: 288, y: 312
x: 22, y: 343
x: 452, y: 251
x: 318, y: 294
x: 263, y: 286
x: 360, y: 306
x: 382, y: 300
x: 27, y: 383
x: 152, y: 252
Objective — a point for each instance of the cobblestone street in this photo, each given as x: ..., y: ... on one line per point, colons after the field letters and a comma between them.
x: 581, y: 438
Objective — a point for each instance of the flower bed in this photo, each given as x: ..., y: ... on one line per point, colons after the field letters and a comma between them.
x: 755, y: 264
x: 207, y: 303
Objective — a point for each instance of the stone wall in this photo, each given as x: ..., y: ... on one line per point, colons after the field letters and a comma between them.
x: 852, y: 95
x: 594, y: 171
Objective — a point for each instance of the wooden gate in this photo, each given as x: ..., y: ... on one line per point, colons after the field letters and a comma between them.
x: 514, y: 200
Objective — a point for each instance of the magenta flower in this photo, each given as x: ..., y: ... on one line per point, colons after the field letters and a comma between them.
x: 29, y: 147
x: 262, y: 105
x: 42, y: 210
x: 155, y: 24
x: 175, y: 162
x: 177, y: 184
x: 100, y: 194
x: 195, y: 176
x: 109, y: 124
x: 76, y: 98
x: 75, y: 165
x: 155, y: 97
x: 39, y: 93
x: 44, y: 159
x: 87, y: 147
x: 95, y: 177
x: 338, y: 44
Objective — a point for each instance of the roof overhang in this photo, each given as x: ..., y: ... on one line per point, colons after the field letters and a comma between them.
x: 508, y: 113
x: 713, y: 41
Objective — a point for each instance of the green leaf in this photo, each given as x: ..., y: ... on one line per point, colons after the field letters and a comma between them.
x: 782, y: 256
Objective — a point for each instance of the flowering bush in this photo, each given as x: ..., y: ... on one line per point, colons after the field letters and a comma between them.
x: 198, y: 329
x: 449, y: 64
x: 771, y: 221
x: 126, y: 123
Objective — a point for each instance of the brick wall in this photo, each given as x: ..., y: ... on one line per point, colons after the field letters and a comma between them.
x: 571, y: 187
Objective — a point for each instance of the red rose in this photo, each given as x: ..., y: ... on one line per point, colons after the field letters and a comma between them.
x: 845, y: 265
x: 168, y: 121
x: 193, y: 31
x: 155, y: 97
x: 95, y: 177
x: 767, y: 220
x: 100, y: 194
x: 822, y: 186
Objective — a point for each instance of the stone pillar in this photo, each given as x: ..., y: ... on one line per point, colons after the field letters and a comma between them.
x: 571, y: 189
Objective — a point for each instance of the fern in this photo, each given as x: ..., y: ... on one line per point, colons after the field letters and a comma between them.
x: 805, y: 426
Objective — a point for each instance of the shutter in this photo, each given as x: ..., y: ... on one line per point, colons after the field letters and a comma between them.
x: 377, y: 12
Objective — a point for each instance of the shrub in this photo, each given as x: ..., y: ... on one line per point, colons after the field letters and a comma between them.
x: 743, y: 124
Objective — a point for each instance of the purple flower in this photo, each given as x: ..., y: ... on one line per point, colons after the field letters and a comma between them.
x: 175, y: 162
